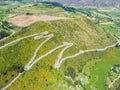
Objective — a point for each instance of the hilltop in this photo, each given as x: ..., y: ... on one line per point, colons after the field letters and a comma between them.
x: 81, y: 32
x: 96, y: 3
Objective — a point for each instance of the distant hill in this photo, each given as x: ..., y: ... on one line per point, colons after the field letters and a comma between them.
x: 97, y: 3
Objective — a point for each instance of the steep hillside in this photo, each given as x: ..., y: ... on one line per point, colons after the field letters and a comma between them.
x: 43, y: 76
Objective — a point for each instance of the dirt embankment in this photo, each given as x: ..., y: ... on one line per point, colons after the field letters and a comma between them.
x: 26, y: 20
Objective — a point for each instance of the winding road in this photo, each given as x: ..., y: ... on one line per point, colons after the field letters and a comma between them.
x: 59, y: 61
x: 112, y: 83
x: 41, y: 35
x: 32, y: 61
x: 32, y: 35
x: 13, y: 32
x: 68, y: 45
x: 51, y: 51
x: 28, y: 66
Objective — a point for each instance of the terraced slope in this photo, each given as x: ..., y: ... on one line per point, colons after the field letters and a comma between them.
x: 43, y: 76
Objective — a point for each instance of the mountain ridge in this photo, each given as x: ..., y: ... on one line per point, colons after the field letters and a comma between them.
x: 96, y: 3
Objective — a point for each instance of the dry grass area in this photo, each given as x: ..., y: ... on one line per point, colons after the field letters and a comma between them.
x: 26, y: 20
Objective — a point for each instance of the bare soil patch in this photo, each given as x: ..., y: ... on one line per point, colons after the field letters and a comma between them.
x: 26, y: 20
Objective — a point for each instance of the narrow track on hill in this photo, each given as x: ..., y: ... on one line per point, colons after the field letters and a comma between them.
x: 41, y: 35
x: 5, y: 88
x: 112, y: 83
x: 68, y: 45
x: 51, y: 51
x: 32, y: 60
x: 29, y: 65
x: 60, y: 60
x: 14, y: 41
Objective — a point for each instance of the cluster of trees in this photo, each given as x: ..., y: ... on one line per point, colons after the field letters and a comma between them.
x: 4, y: 27
x: 85, y: 11
x: 69, y: 9
x: 71, y: 72
x: 3, y: 34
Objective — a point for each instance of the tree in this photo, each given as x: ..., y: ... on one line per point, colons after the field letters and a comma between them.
x: 19, y: 0
x: 3, y: 34
x: 71, y: 72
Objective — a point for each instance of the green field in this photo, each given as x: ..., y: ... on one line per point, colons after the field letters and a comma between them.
x: 99, y: 69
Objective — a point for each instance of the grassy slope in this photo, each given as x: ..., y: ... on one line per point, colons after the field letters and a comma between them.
x: 82, y: 32
x: 115, y: 14
x: 111, y: 29
x: 40, y: 9
x: 99, y: 69
x: 103, y: 65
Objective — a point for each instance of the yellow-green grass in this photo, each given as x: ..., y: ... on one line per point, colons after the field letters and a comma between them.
x: 41, y: 77
x: 81, y: 32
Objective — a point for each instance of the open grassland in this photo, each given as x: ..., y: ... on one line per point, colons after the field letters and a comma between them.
x: 7, y: 8
x: 38, y: 9
x: 14, y: 57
